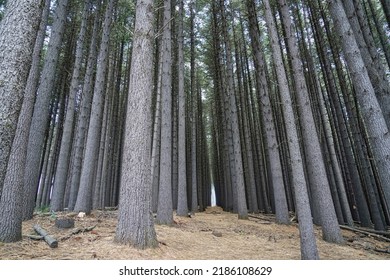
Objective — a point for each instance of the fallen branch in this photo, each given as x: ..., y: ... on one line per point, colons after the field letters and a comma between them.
x: 51, y: 241
x: 262, y: 218
x: 380, y: 232
x: 34, y: 237
x: 77, y: 231
x: 386, y: 251
x: 373, y: 233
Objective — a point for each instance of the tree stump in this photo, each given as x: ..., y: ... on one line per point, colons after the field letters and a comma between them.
x: 64, y: 223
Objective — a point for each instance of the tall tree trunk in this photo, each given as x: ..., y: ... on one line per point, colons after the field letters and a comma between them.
x: 66, y: 141
x: 18, y: 31
x: 307, y: 237
x: 39, y: 120
x: 182, y: 203
x: 84, y: 197
x: 28, y: 104
x: 194, y: 182
x: 165, y: 205
x: 84, y: 113
x: 135, y: 221
x: 316, y: 170
x: 238, y: 173
x: 281, y: 208
x: 365, y: 94
x: 369, y: 54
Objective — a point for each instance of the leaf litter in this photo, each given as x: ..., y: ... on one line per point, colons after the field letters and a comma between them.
x: 209, y: 235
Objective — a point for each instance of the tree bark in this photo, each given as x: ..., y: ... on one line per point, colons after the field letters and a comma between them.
x: 40, y: 120
x: 135, y: 220
x: 316, y: 170
x: 83, y: 116
x: 281, y: 208
x: 182, y: 203
x: 365, y: 94
x: 84, y: 196
x: 18, y: 30
x: 165, y: 205
x: 11, y: 188
x: 307, y: 237
x: 238, y: 173
x: 57, y: 201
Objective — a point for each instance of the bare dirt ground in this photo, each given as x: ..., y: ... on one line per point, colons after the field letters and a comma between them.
x: 212, y: 234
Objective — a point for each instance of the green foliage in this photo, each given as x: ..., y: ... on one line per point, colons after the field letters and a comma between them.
x: 124, y: 20
x: 2, y: 8
x: 43, y: 209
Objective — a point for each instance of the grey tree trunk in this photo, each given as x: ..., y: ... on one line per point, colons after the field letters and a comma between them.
x: 182, y: 203
x: 66, y: 141
x: 156, y: 148
x: 307, y: 237
x: 83, y: 116
x: 135, y: 220
x: 40, y: 120
x: 281, y: 208
x: 28, y: 102
x: 238, y: 173
x: 84, y: 196
x: 165, y: 204
x: 194, y: 181
x: 18, y: 31
x: 350, y: 161
x: 369, y: 54
x: 365, y: 95
x: 316, y: 170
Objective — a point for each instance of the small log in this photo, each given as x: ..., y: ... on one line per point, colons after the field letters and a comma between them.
x: 51, y: 241
x: 367, y: 232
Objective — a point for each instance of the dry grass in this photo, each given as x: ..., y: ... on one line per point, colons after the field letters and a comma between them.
x: 193, y: 238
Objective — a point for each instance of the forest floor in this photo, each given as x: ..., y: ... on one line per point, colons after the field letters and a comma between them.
x: 209, y: 235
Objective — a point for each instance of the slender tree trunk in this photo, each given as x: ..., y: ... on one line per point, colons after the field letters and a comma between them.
x: 316, y: 170
x: 194, y: 182
x: 83, y: 116
x: 66, y: 141
x: 238, y: 174
x: 307, y: 237
x: 165, y: 206
x: 365, y: 94
x: 182, y: 204
x: 369, y: 54
x: 84, y: 197
x: 268, y: 119
x: 39, y: 120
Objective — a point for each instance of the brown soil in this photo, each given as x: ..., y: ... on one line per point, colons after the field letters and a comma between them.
x: 213, y: 234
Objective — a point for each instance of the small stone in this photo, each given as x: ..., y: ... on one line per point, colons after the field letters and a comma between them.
x: 217, y: 233
x: 81, y: 215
